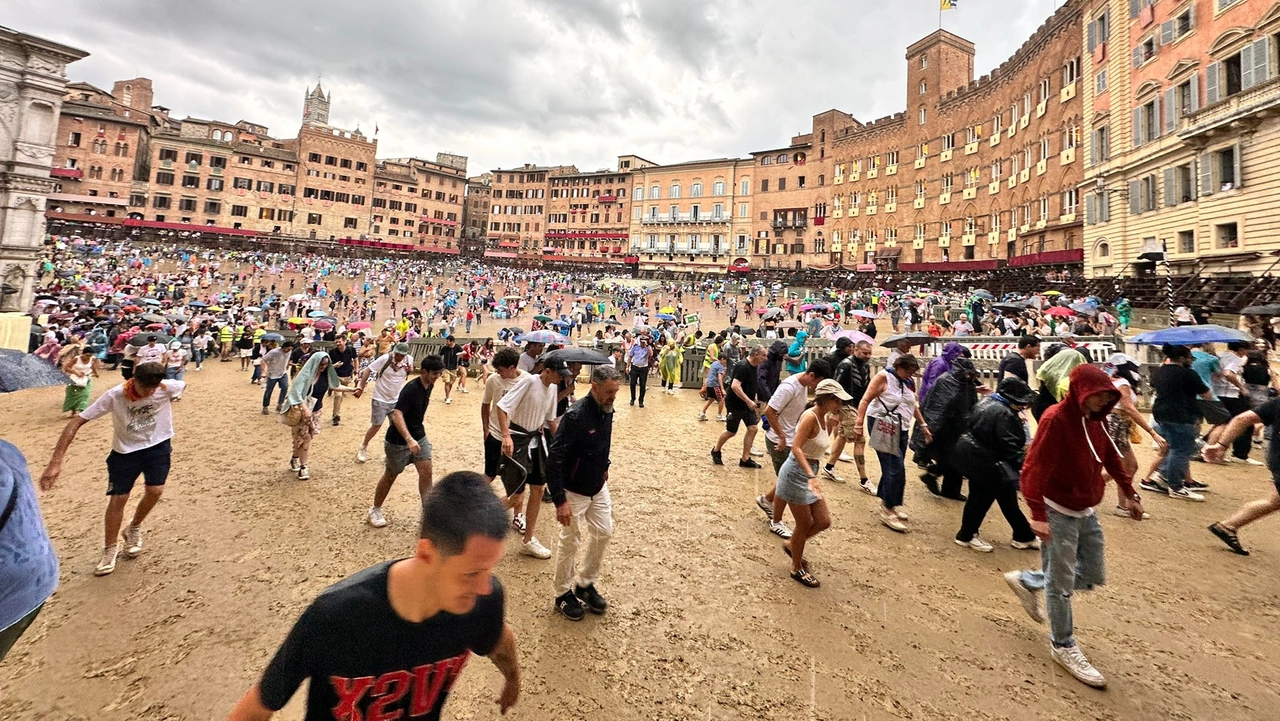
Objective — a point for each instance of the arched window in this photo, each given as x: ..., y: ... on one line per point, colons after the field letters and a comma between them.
x: 1103, y: 249
x: 783, y: 158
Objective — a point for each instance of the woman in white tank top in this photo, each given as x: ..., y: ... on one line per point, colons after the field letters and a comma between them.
x: 798, y: 477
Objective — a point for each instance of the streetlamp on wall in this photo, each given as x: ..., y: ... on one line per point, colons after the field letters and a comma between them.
x: 1157, y: 252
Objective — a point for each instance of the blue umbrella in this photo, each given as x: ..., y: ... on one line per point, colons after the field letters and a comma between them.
x: 1191, y: 335
x: 276, y: 337
x: 559, y: 323
x: 1086, y: 308
x: 150, y: 301
x: 20, y: 370
x: 665, y: 316
x: 543, y: 336
x: 316, y: 314
x: 198, y: 304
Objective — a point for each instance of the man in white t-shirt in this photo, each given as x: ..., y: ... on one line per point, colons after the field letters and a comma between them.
x: 389, y: 372
x: 962, y: 327
x: 1229, y: 386
x: 142, y: 424
x: 785, y: 407
x: 152, y: 352
x: 522, y: 414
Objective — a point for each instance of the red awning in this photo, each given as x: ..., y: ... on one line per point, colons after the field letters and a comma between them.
x: 950, y: 266
x: 438, y: 249
x: 1052, y: 257
x: 66, y: 173
x: 188, y: 227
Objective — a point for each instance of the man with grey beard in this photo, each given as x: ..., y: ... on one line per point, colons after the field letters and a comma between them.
x: 577, y: 476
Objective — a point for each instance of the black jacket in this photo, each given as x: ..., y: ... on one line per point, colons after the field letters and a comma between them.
x: 579, y: 455
x: 946, y: 411
x: 995, y: 435
x: 854, y: 375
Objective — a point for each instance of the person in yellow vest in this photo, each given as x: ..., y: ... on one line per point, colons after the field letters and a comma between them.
x: 225, y: 338
x: 402, y: 327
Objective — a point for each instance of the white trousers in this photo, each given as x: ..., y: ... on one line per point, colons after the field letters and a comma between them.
x: 592, y: 527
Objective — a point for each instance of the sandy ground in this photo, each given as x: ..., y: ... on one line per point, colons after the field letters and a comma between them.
x: 704, y: 623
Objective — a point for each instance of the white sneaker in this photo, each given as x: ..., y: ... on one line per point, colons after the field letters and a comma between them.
x: 535, y: 549
x: 901, y: 513
x: 375, y: 517
x: 1033, y: 544
x: 448, y: 401
x: 779, y: 529
x: 977, y: 544
x: 702, y: 416
x: 1185, y: 495
x: 518, y: 523
x: 868, y: 486
x: 892, y: 521
x: 464, y: 390
x: 304, y: 474
x: 1254, y: 462
x: 1026, y: 596
x: 108, y: 562
x: 1073, y: 660
x: 1123, y: 512
x: 829, y: 474
x: 722, y: 419
x: 846, y: 458
x: 763, y: 504
x: 132, y: 541
x: 757, y: 452
x: 294, y: 463
x: 362, y: 455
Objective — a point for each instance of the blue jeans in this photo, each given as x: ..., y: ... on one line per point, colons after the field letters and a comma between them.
x: 1182, y: 443
x: 1071, y: 560
x: 283, y: 382
x: 893, y: 474
x: 198, y: 356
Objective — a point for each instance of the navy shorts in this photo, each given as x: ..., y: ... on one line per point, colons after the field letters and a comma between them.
x: 151, y: 463
x: 492, y: 455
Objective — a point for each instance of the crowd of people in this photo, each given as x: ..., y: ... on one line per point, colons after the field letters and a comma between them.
x: 307, y: 330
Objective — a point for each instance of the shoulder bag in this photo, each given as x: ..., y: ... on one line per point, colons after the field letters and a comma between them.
x: 886, y: 430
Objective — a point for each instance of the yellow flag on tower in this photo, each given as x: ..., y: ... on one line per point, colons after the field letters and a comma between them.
x: 949, y: 4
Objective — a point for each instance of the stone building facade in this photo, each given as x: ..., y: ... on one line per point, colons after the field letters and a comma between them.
x: 589, y: 214
x: 103, y: 148
x: 419, y: 203
x: 517, y: 216
x: 475, y: 214
x: 33, y: 80
x: 1183, y: 142
x: 692, y: 217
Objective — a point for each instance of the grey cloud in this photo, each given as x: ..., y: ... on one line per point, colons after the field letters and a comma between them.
x: 512, y: 81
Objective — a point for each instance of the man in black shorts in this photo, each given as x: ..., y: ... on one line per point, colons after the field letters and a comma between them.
x: 389, y: 641
x: 142, y: 424
x: 505, y: 374
x: 741, y: 401
x: 406, y: 440
x: 343, y: 358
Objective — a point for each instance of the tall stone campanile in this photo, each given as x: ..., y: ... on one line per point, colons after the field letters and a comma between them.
x: 315, y: 106
x: 33, y: 79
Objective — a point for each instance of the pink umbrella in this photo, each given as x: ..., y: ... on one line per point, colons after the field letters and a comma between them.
x: 1059, y: 312
x: 323, y: 325
x: 359, y: 325
x: 855, y: 336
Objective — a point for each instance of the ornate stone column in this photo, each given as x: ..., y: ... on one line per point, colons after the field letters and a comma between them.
x: 33, y: 80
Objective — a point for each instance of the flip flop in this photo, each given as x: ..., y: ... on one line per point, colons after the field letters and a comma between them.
x: 805, y: 578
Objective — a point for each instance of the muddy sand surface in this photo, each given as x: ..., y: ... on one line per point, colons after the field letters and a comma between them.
x: 704, y: 623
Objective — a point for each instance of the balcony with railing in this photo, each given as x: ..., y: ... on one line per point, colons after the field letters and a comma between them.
x: 685, y: 218
x: 1249, y: 103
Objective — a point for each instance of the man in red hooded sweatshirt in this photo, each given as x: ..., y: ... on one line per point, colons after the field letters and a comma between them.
x: 1062, y: 482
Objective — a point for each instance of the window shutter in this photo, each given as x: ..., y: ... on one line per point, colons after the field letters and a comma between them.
x: 1155, y: 118
x: 1170, y: 111
x: 1211, y: 84
x: 1135, y: 6
x: 1104, y: 207
x: 1261, y: 61
x: 1090, y: 209
x: 1206, y: 174
x: 1236, y: 159
x: 1137, y: 56
x: 1166, y: 33
x: 1170, y: 187
x: 1092, y: 31
x: 1137, y: 127
x: 1093, y: 149
x: 1135, y: 197
x: 1195, y: 95
x: 1246, y: 67
x: 1194, y: 191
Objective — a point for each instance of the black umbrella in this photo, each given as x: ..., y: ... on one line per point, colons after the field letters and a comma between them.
x: 914, y: 338
x: 140, y: 339
x: 153, y: 317
x: 20, y: 370
x: 574, y: 354
x: 1270, y: 309
x: 1010, y: 307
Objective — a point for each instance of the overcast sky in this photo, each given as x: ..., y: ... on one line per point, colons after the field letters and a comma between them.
x: 506, y: 82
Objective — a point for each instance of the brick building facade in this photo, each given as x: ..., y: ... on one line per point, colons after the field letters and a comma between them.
x: 102, y: 148
x: 685, y: 217
x: 419, y: 203
x: 475, y: 214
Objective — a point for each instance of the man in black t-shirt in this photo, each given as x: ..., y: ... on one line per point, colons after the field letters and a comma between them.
x: 742, y: 404
x: 1268, y: 413
x: 449, y: 355
x: 389, y: 641
x: 1015, y: 363
x: 343, y: 357
x: 406, y: 440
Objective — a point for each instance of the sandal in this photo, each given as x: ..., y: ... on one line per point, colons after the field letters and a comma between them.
x: 804, y: 563
x: 805, y: 578
x: 1228, y: 537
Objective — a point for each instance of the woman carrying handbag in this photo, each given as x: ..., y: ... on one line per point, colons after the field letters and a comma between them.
x: 303, y: 405
x: 893, y: 393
